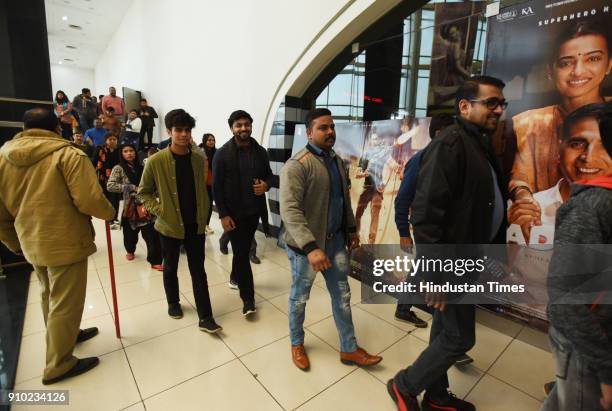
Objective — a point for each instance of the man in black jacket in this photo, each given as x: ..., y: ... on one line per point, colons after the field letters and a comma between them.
x: 459, y: 200
x: 148, y: 115
x: 242, y: 175
x: 85, y: 108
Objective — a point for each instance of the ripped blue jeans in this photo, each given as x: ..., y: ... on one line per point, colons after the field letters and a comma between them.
x: 336, y: 279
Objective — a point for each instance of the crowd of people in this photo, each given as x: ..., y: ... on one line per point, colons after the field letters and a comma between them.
x: 453, y: 192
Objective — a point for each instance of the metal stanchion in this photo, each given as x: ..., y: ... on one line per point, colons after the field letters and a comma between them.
x: 111, y: 266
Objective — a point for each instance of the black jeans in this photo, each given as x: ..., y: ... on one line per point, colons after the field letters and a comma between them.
x: 151, y: 237
x: 149, y: 140
x: 453, y: 333
x: 194, y: 247
x: 241, y: 238
x: 210, y: 203
x: 225, y: 239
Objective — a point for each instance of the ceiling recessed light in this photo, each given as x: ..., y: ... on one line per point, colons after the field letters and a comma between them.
x: 59, y: 62
x: 64, y: 18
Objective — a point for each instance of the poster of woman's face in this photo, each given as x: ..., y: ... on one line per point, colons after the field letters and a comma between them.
x: 555, y: 58
x: 549, y: 54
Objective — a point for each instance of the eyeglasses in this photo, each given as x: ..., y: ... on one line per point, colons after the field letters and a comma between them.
x: 492, y: 103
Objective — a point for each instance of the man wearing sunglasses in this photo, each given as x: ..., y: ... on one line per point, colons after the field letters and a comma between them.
x: 459, y: 200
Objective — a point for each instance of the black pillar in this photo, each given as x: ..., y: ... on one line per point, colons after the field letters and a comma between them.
x: 383, y: 75
x: 25, y: 72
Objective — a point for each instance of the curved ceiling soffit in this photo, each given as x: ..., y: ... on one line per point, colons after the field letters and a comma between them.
x: 327, y: 53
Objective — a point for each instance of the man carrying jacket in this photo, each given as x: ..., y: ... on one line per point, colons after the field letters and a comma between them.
x: 242, y: 176
x: 173, y: 188
x: 48, y: 193
x: 316, y: 210
x: 459, y: 200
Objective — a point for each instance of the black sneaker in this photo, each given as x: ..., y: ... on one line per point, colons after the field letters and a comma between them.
x: 447, y: 401
x: 175, y: 310
x: 254, y: 259
x: 82, y: 366
x: 404, y: 402
x: 410, y: 317
x: 86, y: 334
x: 464, y: 360
x: 249, y: 308
x: 209, y: 325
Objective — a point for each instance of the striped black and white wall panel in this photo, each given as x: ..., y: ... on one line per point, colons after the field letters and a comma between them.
x: 290, y: 113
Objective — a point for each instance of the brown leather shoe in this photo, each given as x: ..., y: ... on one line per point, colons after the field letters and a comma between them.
x: 359, y: 357
x: 300, y: 359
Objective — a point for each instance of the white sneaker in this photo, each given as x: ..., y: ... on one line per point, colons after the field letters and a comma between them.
x: 232, y: 285
x: 209, y: 230
x: 115, y: 226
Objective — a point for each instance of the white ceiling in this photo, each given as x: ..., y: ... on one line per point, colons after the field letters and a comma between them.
x: 98, y: 19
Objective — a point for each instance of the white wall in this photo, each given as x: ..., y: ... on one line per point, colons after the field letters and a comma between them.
x: 211, y: 57
x: 71, y: 80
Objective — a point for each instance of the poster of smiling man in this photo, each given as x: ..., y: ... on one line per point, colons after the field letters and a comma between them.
x: 555, y: 58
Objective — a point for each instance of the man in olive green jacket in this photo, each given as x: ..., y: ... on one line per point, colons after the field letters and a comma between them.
x: 48, y: 193
x: 173, y: 187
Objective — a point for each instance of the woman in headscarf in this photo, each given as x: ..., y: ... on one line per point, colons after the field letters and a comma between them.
x: 125, y: 178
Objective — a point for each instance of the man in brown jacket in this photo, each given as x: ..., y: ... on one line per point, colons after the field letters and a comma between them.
x: 48, y: 193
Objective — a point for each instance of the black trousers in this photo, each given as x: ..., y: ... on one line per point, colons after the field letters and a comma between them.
x: 225, y: 239
x: 194, y: 247
x: 149, y: 139
x: 210, y: 203
x: 453, y: 333
x: 151, y: 237
x: 241, y: 238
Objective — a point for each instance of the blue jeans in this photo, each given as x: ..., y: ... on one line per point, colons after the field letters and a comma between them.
x: 576, y: 386
x: 336, y: 279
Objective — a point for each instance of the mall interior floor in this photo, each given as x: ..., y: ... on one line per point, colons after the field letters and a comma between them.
x: 166, y: 364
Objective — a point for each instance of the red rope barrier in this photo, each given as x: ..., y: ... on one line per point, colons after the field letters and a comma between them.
x: 111, y: 266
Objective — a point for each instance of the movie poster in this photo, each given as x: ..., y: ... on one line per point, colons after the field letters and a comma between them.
x: 374, y: 155
x: 554, y: 58
x: 452, y: 52
x: 388, y: 146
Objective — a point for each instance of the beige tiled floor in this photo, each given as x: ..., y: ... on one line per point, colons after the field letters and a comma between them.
x: 166, y: 364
